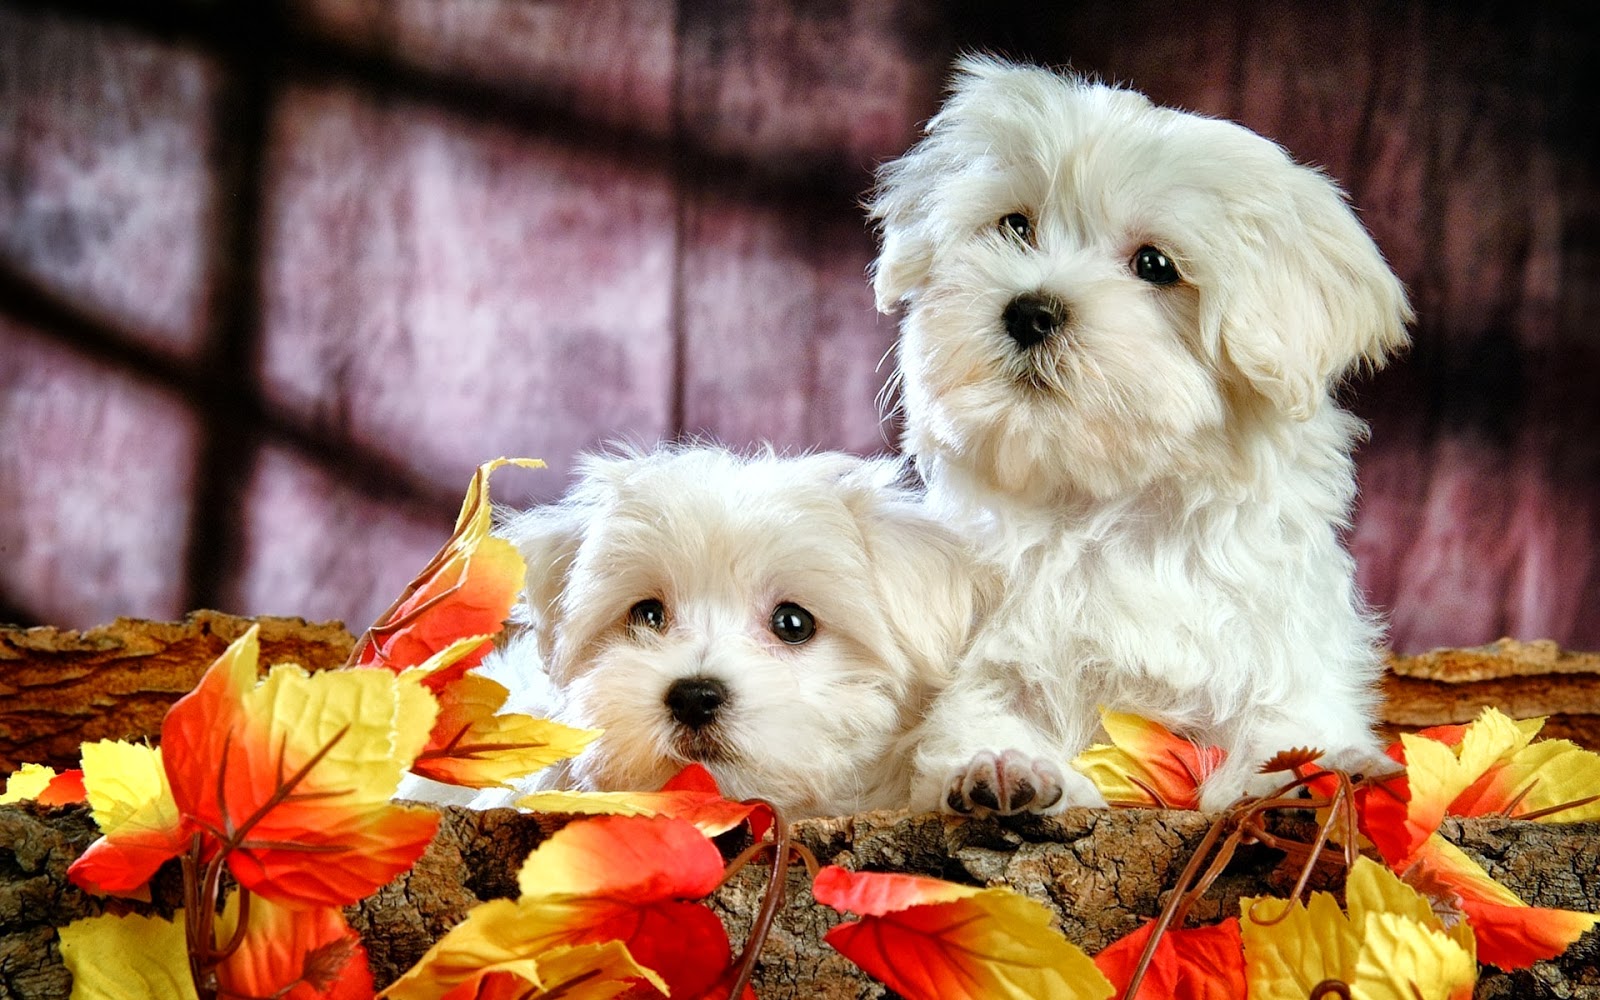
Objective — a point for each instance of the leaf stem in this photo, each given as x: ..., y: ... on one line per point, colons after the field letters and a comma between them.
x: 783, y: 847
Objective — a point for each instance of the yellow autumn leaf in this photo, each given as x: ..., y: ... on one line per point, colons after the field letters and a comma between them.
x: 376, y: 723
x: 1439, y: 772
x: 1287, y: 954
x: 564, y: 968
x: 692, y: 794
x: 132, y: 957
x: 503, y: 936
x: 1372, y: 888
x: 127, y: 788
x: 1146, y: 764
x: 449, y: 655
x: 473, y: 746
x: 1401, y: 959
x: 26, y: 783
x: 1548, y: 781
x: 1392, y: 943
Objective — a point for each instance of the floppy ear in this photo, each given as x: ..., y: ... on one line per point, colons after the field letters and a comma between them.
x: 931, y: 588
x: 903, y: 200
x: 1307, y: 297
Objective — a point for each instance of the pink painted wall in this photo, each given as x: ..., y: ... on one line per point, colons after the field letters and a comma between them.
x: 269, y: 291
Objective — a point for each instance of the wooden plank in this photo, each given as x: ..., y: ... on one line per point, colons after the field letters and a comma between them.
x: 605, y: 61
x: 444, y: 293
x: 105, y: 182
x: 781, y: 340
x: 807, y: 90
x: 313, y: 542
x: 60, y: 689
x: 96, y: 472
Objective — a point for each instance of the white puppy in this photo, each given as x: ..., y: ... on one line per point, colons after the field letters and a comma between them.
x: 784, y: 622
x: 1122, y: 324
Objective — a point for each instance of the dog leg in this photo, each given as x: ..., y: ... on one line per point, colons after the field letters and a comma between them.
x: 1014, y: 782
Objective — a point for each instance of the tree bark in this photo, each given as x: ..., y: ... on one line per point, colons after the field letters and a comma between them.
x: 1101, y: 872
x: 60, y: 688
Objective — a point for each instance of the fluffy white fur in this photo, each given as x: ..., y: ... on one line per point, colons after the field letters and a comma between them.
x: 1161, y: 481
x: 821, y: 727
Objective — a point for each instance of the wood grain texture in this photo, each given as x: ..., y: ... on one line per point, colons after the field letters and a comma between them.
x: 444, y: 293
x: 61, y: 688
x: 604, y: 61
x: 96, y: 481
x: 1522, y: 679
x: 105, y: 178
x: 312, y: 539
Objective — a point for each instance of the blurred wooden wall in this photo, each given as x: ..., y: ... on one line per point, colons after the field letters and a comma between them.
x: 274, y: 278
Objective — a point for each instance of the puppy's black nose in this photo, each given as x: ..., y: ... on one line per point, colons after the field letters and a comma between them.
x: 1032, y: 318
x: 695, y: 701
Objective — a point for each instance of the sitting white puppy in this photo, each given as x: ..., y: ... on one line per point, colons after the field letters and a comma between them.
x: 784, y: 622
x: 1122, y: 325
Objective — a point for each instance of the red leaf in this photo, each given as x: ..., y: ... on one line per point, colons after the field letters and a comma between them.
x: 1196, y: 963
x: 925, y: 938
x: 64, y: 789
x: 123, y: 865
x: 293, y: 954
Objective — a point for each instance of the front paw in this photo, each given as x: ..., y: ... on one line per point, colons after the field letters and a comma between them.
x: 1013, y: 782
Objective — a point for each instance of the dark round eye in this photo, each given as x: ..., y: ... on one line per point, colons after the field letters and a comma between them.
x: 1018, y: 225
x: 1154, y: 266
x: 649, y: 613
x: 792, y: 623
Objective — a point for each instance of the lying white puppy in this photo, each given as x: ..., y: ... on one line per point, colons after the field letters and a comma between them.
x: 1122, y: 325
x: 784, y: 622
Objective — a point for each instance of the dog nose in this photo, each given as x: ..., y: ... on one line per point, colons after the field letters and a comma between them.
x: 695, y: 701
x: 1032, y: 318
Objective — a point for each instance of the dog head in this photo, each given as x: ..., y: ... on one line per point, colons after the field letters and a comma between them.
x: 1096, y: 287
x: 782, y: 621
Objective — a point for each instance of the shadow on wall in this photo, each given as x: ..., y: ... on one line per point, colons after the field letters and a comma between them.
x: 271, y: 285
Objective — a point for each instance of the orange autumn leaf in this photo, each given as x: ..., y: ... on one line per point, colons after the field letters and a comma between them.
x: 471, y: 745
x: 924, y: 938
x: 1194, y: 963
x: 295, y: 774
x: 586, y: 972
x: 1493, y: 766
x: 140, y: 825
x: 628, y: 879
x: 637, y: 858
x: 489, y: 956
x: 1147, y: 765
x: 292, y: 954
x: 467, y: 589
x: 41, y: 784
x: 1510, y: 934
x: 692, y: 794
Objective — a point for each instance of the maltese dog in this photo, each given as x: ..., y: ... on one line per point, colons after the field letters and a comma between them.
x: 1122, y: 325
x: 783, y: 621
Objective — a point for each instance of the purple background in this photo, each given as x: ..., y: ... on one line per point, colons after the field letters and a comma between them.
x: 271, y: 285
